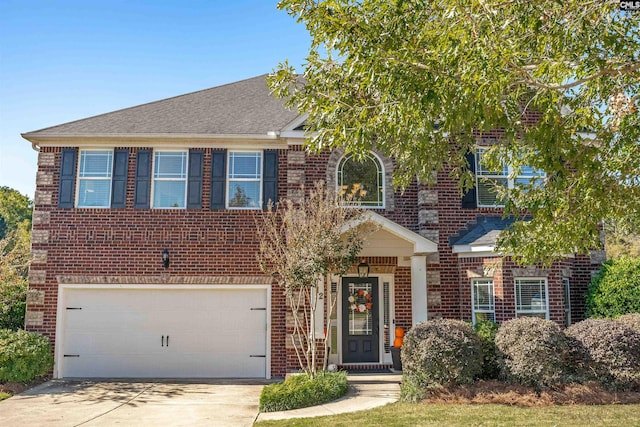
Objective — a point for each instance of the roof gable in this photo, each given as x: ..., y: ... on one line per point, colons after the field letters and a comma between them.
x: 419, y: 244
x: 241, y: 108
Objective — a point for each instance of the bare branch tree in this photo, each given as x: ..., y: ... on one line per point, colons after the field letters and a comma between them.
x: 301, y: 244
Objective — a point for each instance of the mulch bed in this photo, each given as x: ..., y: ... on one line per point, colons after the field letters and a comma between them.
x: 16, y: 388
x: 496, y: 392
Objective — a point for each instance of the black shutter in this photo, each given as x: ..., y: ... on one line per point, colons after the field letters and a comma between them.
x: 270, y: 178
x: 66, y: 192
x: 142, y: 191
x: 194, y: 184
x: 119, y: 178
x: 218, y: 178
x: 469, y: 199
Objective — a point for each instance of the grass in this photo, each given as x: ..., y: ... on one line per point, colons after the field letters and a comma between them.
x: 407, y: 414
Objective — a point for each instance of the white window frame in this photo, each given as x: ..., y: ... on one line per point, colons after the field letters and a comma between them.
x: 154, y: 179
x: 80, y: 178
x: 523, y: 313
x: 474, y: 309
x: 258, y: 180
x: 380, y: 176
x: 507, y: 175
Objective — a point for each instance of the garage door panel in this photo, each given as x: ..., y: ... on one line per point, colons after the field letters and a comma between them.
x: 164, y: 333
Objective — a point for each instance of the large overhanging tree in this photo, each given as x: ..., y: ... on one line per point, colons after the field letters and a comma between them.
x: 423, y: 80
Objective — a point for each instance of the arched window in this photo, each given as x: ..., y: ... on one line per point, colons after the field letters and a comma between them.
x: 362, y: 179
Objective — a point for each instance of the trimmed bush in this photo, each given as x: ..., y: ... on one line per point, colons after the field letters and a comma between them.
x: 616, y: 289
x: 13, y: 301
x: 439, y: 352
x: 608, y: 351
x: 300, y: 391
x: 24, y: 355
x: 532, y: 351
x: 632, y: 320
x: 486, y: 331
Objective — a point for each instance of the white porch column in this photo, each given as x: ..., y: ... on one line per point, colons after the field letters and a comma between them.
x: 418, y: 288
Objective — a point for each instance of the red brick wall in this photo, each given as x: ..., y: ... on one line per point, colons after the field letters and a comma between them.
x: 402, y: 296
x: 129, y: 242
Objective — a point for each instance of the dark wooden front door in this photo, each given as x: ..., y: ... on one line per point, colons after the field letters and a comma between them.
x: 360, y: 325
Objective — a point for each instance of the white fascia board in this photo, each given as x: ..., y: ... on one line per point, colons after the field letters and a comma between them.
x: 421, y: 245
x: 466, y: 251
x: 295, y: 123
x: 270, y: 140
x: 296, y: 134
x: 44, y: 137
x: 490, y: 254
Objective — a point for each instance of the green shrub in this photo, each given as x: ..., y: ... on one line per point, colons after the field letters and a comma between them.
x: 615, y: 290
x: 439, y: 352
x: 486, y: 331
x: 300, y: 391
x: 632, y: 320
x: 23, y: 355
x: 13, y: 301
x: 608, y: 351
x: 533, y: 351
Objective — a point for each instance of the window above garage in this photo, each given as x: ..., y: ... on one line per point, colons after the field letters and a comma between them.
x: 94, y: 178
x: 167, y: 179
x: 170, y: 179
x: 244, y: 179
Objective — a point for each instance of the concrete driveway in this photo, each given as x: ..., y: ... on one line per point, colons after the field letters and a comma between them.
x: 143, y: 403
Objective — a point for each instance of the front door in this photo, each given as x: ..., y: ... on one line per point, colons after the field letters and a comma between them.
x: 360, y: 326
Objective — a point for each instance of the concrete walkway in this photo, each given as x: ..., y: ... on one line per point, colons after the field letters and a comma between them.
x: 366, y: 391
x: 175, y: 402
x: 141, y: 403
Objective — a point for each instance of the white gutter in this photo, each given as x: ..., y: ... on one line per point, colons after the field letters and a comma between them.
x: 143, y: 139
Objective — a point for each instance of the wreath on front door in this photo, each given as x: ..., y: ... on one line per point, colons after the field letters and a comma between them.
x: 360, y: 301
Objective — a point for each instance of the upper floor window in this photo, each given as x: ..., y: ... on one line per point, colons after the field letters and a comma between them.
x: 362, y: 180
x: 488, y: 181
x: 94, y: 176
x: 531, y: 298
x: 483, y: 300
x: 244, y: 189
x: 169, y: 179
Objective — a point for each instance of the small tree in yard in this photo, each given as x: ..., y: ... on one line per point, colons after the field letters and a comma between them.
x: 300, y: 245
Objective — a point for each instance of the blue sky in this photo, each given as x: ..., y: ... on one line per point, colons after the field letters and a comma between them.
x: 66, y: 60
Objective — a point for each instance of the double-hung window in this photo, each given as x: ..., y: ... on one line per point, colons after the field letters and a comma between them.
x: 170, y: 179
x: 244, y: 180
x: 483, y: 300
x: 94, y: 177
x: 531, y: 298
x: 488, y: 181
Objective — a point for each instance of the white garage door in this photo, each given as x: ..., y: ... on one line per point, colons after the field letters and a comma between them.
x: 163, y: 333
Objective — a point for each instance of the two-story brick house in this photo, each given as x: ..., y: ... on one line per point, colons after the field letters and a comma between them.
x: 144, y: 244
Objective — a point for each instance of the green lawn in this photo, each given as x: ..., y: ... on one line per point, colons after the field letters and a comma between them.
x: 405, y: 414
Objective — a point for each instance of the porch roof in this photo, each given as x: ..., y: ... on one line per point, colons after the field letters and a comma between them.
x: 480, y: 235
x: 392, y: 239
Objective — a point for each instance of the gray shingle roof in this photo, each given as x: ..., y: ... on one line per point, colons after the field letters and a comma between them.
x: 244, y: 107
x: 482, y: 232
